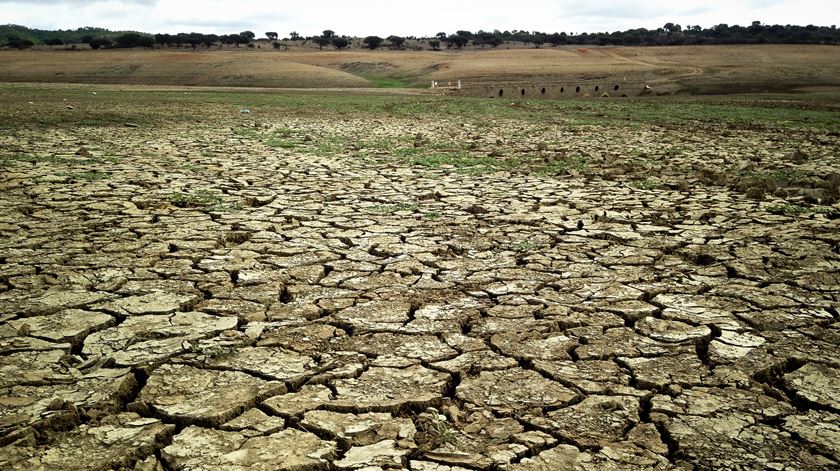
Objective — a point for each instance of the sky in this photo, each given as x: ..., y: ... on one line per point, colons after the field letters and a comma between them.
x: 407, y: 18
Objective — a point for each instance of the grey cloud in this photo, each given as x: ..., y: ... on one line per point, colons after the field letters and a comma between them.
x: 79, y: 2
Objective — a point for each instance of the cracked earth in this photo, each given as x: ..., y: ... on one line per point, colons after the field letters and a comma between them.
x: 214, y: 302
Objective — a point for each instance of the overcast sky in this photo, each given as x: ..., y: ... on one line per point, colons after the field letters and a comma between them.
x: 407, y: 18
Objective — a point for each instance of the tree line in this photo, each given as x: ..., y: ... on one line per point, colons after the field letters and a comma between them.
x: 16, y: 36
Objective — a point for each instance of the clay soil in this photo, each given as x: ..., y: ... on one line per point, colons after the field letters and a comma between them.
x: 198, y: 279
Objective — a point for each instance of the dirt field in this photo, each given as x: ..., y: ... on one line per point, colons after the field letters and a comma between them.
x: 706, y: 69
x: 215, y: 279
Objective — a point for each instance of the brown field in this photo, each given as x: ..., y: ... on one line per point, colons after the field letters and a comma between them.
x: 200, y: 276
x: 702, y: 69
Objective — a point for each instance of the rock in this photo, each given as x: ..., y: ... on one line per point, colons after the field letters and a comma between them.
x: 267, y: 362
x: 816, y: 383
x: 390, y: 389
x: 202, y: 449
x: 153, y: 338
x: 659, y: 372
x: 376, y: 316
x: 475, y: 362
x: 362, y: 429
x: 427, y: 348
x: 595, y: 422
x: 731, y: 441
x: 70, y: 326
x: 384, y: 454
x: 117, y: 442
x: 187, y: 395
x: 100, y: 392
x: 534, y: 346
x: 671, y: 331
x: 820, y: 429
x: 152, y: 303
x: 513, y: 390
x: 308, y: 398
x: 255, y: 420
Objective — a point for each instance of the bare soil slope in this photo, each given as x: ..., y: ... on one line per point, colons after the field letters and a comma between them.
x: 700, y: 69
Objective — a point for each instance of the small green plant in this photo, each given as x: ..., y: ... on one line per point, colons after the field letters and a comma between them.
x: 794, y: 209
x: 90, y: 176
x: 436, y: 432
x: 646, y: 184
x: 329, y: 146
x: 524, y: 246
x: 197, y: 198
x: 432, y: 215
x: 248, y: 133
x: 213, y: 351
x: 281, y: 143
x: 561, y: 167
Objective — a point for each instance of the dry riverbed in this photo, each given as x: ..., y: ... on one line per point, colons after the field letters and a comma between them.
x: 429, y: 284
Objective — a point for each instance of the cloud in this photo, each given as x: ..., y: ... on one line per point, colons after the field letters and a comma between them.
x: 381, y: 17
x: 78, y: 2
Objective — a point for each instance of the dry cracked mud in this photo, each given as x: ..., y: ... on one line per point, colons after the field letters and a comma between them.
x: 189, y: 297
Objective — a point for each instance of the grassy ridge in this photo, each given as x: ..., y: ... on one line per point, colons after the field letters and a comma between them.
x: 117, y: 107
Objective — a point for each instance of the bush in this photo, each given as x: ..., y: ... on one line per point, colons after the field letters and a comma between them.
x: 97, y: 43
x: 340, y: 43
x: 373, y: 42
x: 128, y: 40
x: 20, y: 43
x: 396, y: 42
x: 435, y: 44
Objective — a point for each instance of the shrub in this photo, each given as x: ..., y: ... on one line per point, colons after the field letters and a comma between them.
x: 373, y: 42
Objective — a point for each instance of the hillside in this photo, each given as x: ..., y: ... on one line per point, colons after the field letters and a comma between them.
x: 695, y: 69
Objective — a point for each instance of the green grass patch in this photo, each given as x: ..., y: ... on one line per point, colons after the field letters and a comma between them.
x: 646, y: 184
x: 280, y: 143
x: 562, y: 167
x: 795, y: 209
x: 524, y: 246
x: 197, y: 198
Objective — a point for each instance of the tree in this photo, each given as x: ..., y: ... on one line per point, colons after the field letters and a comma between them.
x: 53, y: 42
x: 271, y: 35
x: 294, y: 36
x: 328, y: 33
x: 442, y: 36
x: 538, y: 39
x: 146, y: 41
x: 340, y: 43
x: 465, y: 34
x: 20, y: 43
x: 86, y: 39
x: 396, y: 41
x: 242, y: 38
x: 373, y: 42
x: 435, y: 44
x: 457, y: 41
x: 97, y: 43
x: 322, y: 41
x: 127, y: 40
x: 248, y: 34
x: 672, y: 28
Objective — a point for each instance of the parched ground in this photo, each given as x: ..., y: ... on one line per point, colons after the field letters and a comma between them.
x: 203, y: 281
